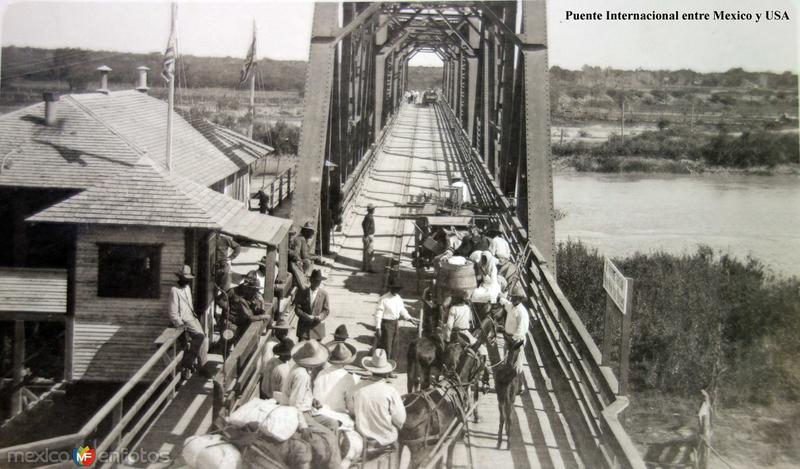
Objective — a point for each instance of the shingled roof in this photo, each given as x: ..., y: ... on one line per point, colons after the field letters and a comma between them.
x: 147, y: 195
x: 98, y: 134
x: 75, y: 153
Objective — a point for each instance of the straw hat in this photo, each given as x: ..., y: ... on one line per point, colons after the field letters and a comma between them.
x: 250, y: 280
x: 370, y: 208
x: 185, y: 272
x: 310, y: 353
x: 378, y: 363
x: 308, y: 227
x: 517, y: 292
x: 341, y: 353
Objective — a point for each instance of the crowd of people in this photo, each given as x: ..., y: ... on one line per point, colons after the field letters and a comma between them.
x: 309, y: 373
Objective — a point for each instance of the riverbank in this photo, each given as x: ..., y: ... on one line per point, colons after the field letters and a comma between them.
x: 634, y: 164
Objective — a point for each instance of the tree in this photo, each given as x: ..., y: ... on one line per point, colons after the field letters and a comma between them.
x: 72, y: 66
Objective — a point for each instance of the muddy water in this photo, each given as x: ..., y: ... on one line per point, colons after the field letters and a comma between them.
x: 745, y: 215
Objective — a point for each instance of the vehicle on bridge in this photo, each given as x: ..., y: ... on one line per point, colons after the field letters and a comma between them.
x: 429, y: 97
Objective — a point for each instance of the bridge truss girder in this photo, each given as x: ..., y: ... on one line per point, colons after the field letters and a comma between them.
x: 495, y: 80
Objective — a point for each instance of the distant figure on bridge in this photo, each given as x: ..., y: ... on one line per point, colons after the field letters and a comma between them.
x: 390, y: 309
x: 181, y: 315
x: 312, y: 309
x: 368, y: 226
x: 263, y: 201
x: 515, y: 328
x: 459, y: 194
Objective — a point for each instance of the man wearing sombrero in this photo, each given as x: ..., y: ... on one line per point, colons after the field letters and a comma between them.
x: 181, y: 314
x: 334, y: 381
x: 515, y: 327
x: 297, y: 392
x: 275, y: 370
x: 377, y: 407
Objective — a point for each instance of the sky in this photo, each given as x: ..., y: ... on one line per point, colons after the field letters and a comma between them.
x: 223, y: 28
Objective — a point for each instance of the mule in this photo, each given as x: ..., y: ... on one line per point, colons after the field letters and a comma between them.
x: 430, y: 412
x: 506, y: 384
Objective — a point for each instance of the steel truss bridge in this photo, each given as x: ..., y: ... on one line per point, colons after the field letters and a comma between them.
x: 361, y: 144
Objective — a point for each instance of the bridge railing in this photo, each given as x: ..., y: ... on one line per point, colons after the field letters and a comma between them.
x: 280, y: 188
x: 594, y: 414
x: 239, y: 379
x: 115, y: 425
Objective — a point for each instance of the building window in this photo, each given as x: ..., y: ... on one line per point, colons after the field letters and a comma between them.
x: 129, y: 271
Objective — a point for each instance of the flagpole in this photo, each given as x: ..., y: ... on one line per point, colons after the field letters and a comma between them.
x: 253, y: 86
x: 171, y: 96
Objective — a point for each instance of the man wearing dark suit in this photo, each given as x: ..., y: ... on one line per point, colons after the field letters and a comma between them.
x: 312, y: 309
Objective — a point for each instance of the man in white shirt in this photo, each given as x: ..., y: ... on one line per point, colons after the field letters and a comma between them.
x: 498, y: 246
x: 377, y: 407
x: 515, y: 328
x: 181, y: 315
x: 390, y: 309
x: 461, y: 193
x: 459, y: 318
x: 333, y: 382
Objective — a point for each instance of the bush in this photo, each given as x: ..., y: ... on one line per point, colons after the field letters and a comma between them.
x: 693, y: 313
x: 751, y: 149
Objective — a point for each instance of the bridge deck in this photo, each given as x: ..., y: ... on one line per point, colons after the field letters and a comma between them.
x: 415, y: 158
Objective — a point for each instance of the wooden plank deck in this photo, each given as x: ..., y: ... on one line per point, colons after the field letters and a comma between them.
x: 414, y: 159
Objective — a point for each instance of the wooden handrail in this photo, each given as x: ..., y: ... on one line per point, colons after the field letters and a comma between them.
x: 237, y: 381
x: 593, y: 384
x: 114, y: 406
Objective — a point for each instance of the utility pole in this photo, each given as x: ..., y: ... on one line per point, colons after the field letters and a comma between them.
x: 170, y: 57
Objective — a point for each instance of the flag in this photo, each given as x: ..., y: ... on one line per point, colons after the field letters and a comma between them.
x: 171, y: 53
x: 250, y: 60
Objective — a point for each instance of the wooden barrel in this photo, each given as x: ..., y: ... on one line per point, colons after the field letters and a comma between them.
x: 456, y: 279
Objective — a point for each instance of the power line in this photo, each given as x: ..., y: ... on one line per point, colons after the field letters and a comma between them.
x: 31, y: 72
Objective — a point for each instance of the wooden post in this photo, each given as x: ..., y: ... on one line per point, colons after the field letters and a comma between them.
x: 608, y: 335
x: 19, y: 365
x: 116, y: 418
x: 625, y: 341
x: 269, y: 282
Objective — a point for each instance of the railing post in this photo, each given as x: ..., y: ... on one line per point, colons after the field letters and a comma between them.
x: 116, y: 417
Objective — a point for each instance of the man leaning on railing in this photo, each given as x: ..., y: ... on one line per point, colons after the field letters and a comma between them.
x: 181, y: 314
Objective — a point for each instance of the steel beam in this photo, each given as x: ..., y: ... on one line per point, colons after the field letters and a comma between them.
x: 541, y: 229
x: 314, y: 131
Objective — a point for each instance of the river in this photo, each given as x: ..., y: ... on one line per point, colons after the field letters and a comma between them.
x: 620, y: 214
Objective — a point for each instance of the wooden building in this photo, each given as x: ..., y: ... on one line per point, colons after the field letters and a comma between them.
x: 88, y: 205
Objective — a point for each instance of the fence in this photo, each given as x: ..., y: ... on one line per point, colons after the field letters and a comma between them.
x: 279, y: 189
x: 114, y: 426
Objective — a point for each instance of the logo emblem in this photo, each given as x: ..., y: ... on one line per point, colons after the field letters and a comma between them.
x: 83, y: 455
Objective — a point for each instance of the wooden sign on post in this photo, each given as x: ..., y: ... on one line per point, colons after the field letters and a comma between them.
x: 619, y: 297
